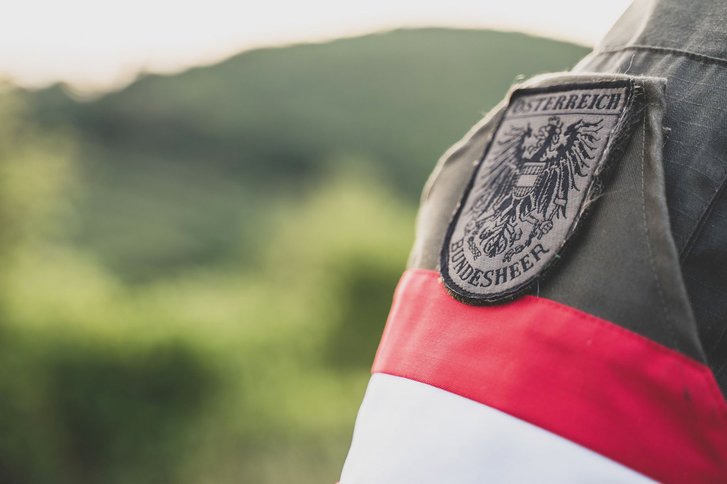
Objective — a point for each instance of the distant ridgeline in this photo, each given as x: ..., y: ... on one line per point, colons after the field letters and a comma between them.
x: 181, y: 169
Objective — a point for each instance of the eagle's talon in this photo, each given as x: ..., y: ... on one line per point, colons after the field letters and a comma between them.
x: 512, y: 252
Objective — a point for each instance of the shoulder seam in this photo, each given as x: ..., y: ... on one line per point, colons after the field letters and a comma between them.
x: 705, y: 59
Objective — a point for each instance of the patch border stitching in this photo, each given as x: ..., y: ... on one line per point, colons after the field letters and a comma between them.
x: 617, y: 139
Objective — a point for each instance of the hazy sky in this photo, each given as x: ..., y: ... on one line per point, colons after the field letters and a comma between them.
x: 100, y: 44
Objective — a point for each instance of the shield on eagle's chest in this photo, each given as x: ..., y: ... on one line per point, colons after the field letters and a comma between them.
x: 527, y: 178
x: 531, y: 187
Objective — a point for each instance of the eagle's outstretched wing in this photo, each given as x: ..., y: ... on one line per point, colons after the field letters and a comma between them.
x: 498, y: 177
x: 568, y: 162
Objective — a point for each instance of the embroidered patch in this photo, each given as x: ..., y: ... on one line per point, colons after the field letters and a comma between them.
x: 532, y: 187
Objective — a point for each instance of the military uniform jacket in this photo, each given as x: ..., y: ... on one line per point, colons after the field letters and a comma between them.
x: 563, y: 317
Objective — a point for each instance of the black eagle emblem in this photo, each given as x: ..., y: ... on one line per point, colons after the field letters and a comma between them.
x: 527, y: 185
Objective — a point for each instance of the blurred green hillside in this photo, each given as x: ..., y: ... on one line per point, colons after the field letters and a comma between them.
x: 184, y: 169
x: 196, y: 268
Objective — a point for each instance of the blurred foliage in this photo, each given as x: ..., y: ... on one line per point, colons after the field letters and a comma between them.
x: 179, y: 167
x: 195, y: 270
